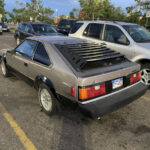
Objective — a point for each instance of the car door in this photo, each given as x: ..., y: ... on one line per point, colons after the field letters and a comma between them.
x: 93, y: 32
x: 22, y: 57
x: 41, y: 62
x: 115, y: 39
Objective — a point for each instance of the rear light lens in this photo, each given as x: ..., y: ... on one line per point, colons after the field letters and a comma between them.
x: 72, y: 91
x: 135, y: 77
x: 86, y: 93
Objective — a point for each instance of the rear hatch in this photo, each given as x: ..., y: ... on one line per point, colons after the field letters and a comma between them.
x: 96, y: 65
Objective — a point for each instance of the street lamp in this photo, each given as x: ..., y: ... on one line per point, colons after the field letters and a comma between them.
x: 57, y: 12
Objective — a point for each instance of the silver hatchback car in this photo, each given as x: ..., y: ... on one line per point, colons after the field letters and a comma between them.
x: 95, y: 78
x: 129, y: 39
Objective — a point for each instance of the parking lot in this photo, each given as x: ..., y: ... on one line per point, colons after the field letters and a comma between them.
x: 23, y: 126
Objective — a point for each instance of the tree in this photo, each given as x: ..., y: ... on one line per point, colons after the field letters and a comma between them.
x: 101, y: 9
x: 90, y: 7
x: 2, y: 10
x: 63, y: 17
x: 34, y: 9
x: 74, y: 13
x: 137, y: 12
x: 71, y: 14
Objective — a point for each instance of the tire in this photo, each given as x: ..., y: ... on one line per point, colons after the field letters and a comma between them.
x: 145, y: 74
x: 47, y: 100
x: 4, y: 69
x: 17, y: 41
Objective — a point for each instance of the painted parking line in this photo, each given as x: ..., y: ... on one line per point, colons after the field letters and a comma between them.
x: 19, y: 132
x: 146, y: 98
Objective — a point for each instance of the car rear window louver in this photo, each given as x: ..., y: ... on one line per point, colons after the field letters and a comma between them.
x: 82, y: 55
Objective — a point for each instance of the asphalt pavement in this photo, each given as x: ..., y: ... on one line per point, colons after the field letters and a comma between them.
x: 23, y: 126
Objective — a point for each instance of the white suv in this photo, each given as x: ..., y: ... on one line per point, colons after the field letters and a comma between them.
x: 129, y: 39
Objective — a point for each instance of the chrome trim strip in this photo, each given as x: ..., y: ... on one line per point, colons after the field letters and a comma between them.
x: 98, y: 98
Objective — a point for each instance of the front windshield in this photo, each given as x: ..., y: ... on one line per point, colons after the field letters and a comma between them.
x: 42, y: 28
x: 138, y: 33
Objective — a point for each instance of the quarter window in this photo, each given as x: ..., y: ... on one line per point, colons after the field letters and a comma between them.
x: 115, y: 35
x: 41, y: 55
x: 95, y: 30
x: 27, y: 48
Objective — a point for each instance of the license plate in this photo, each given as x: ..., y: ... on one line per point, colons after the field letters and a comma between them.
x: 117, y: 83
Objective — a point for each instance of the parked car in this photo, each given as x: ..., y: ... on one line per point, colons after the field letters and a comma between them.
x: 1, y: 31
x: 95, y: 78
x: 65, y: 25
x: 129, y: 39
x: 4, y: 26
x: 27, y: 29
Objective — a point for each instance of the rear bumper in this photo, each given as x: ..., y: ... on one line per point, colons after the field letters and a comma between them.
x: 106, y: 104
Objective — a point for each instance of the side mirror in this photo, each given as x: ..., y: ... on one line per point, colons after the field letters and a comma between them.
x: 123, y: 40
x: 13, y: 51
x: 30, y: 31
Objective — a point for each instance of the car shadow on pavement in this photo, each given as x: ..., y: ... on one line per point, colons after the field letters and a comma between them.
x: 71, y: 131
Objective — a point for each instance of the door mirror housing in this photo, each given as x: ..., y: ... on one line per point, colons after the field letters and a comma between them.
x: 13, y: 51
x: 123, y: 40
x: 30, y: 31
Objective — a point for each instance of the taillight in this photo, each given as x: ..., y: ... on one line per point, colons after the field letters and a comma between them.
x: 72, y: 91
x: 135, y: 77
x: 86, y: 93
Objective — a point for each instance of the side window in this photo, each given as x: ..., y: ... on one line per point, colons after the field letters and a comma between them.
x: 26, y: 48
x: 115, y: 35
x: 95, y: 30
x: 41, y: 55
x: 75, y: 27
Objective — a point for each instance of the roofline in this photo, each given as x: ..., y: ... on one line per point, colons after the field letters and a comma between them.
x: 107, y: 20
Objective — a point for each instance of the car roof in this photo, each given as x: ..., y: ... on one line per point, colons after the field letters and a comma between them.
x: 108, y: 22
x: 57, y: 39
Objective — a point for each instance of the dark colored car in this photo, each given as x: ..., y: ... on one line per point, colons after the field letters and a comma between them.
x: 27, y: 29
x: 65, y: 25
x: 95, y: 78
x: 4, y: 26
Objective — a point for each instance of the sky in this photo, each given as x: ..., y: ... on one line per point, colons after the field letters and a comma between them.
x: 65, y: 6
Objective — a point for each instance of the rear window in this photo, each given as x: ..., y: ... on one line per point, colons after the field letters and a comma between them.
x: 75, y: 28
x: 86, y: 56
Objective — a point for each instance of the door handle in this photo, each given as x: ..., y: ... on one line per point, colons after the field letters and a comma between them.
x: 25, y: 64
